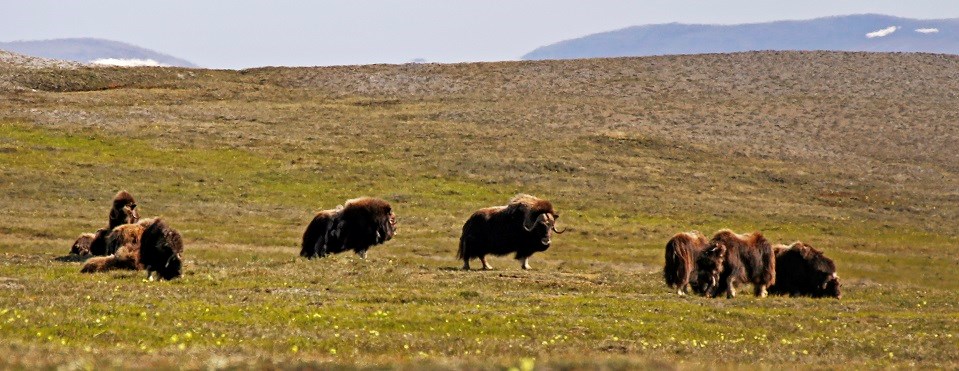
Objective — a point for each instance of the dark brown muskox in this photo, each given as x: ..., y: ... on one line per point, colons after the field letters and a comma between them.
x: 801, y: 270
x: 148, y: 244
x: 730, y: 259
x: 681, y: 253
x: 161, y: 251
x: 524, y: 226
x: 122, y: 212
x: 357, y: 225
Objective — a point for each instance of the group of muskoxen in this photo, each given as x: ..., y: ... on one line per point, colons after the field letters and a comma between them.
x: 717, y: 266
x: 131, y: 243
x: 524, y: 226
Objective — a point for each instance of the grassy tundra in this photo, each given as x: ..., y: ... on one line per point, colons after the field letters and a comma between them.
x: 853, y: 153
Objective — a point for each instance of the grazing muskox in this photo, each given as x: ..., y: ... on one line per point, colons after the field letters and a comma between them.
x: 682, y: 251
x: 123, y: 211
x: 801, y: 270
x: 357, y: 225
x: 730, y: 259
x: 148, y: 244
x: 524, y: 226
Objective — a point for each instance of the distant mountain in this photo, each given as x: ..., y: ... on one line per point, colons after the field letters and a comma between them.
x: 868, y: 32
x: 89, y: 50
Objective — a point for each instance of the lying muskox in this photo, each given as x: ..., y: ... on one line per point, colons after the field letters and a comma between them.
x: 730, y: 259
x: 801, y: 270
x: 681, y: 253
x: 357, y: 225
x: 524, y: 226
x: 122, y: 212
x: 82, y: 245
x: 148, y: 244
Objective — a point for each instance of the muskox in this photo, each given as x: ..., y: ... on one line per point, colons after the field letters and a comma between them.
x: 123, y: 211
x: 730, y: 259
x: 148, y: 244
x: 357, y: 225
x: 802, y: 270
x: 524, y: 226
x: 682, y: 251
x: 82, y: 245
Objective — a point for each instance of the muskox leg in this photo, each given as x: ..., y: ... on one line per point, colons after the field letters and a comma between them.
x: 149, y: 275
x: 362, y: 254
x: 761, y: 291
x: 466, y: 264
x: 683, y: 289
x: 731, y: 288
x: 486, y: 265
x: 526, y: 263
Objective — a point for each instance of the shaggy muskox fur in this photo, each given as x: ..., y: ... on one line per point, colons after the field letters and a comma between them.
x: 524, y: 226
x: 148, y: 244
x: 730, y: 259
x: 802, y: 270
x: 357, y: 225
x: 82, y: 245
x: 681, y: 253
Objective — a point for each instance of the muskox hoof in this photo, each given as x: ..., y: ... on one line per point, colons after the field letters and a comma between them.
x: 487, y: 267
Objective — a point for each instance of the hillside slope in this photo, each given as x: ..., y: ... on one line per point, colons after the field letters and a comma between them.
x: 853, y: 153
x: 87, y: 50
x: 869, y: 32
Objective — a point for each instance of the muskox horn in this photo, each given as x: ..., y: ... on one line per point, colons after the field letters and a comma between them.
x: 558, y: 232
x: 529, y: 226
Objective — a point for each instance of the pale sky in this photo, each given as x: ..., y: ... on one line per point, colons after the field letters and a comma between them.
x: 244, y: 33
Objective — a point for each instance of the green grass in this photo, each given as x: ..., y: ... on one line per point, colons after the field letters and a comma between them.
x: 239, y: 161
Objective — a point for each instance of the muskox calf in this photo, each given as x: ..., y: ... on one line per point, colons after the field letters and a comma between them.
x: 730, y: 259
x: 357, y: 225
x: 123, y: 211
x: 682, y: 251
x: 148, y: 244
x: 82, y: 245
x: 524, y: 226
x: 801, y: 270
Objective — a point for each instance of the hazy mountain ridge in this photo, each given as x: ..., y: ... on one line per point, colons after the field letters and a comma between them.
x: 867, y: 32
x: 88, y: 50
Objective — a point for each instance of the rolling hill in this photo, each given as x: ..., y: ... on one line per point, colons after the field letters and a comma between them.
x: 91, y: 50
x: 870, y: 32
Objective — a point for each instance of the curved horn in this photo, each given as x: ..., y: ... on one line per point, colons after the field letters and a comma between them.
x: 529, y: 226
x: 558, y: 232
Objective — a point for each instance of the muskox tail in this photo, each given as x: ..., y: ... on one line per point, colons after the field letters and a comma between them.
x: 107, y: 263
x: 767, y: 274
x: 674, y: 269
x: 314, y: 231
x: 461, y: 252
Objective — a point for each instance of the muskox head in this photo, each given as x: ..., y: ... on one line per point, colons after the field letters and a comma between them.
x: 539, y: 217
x: 124, y: 210
x: 831, y: 287
x: 82, y: 245
x: 709, y: 266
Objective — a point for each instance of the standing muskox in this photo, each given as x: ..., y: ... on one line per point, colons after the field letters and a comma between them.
x: 357, y: 225
x: 524, y: 226
x: 681, y: 253
x: 123, y: 211
x: 801, y: 270
x: 730, y: 259
x: 148, y: 244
